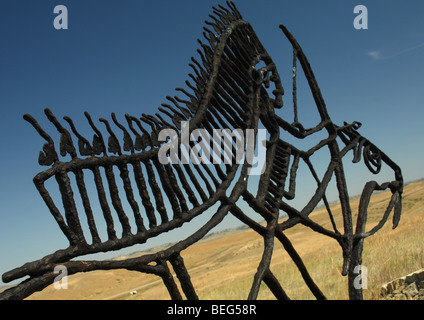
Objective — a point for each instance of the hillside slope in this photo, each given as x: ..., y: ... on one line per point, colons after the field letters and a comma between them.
x: 223, y: 266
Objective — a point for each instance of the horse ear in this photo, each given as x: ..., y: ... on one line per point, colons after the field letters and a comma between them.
x: 299, y: 55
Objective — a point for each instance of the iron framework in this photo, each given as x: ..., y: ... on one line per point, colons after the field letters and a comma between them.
x: 235, y: 84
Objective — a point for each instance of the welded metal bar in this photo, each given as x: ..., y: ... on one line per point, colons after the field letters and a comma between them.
x: 230, y: 89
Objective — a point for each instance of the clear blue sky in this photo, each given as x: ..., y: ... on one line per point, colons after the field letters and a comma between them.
x: 126, y: 56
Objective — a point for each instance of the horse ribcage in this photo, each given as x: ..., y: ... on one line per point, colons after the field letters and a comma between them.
x: 145, y: 193
x: 132, y: 188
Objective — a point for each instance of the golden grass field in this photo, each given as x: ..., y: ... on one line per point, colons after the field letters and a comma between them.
x: 222, y: 266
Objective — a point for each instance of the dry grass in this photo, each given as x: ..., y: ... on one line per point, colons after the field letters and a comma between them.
x: 223, y: 267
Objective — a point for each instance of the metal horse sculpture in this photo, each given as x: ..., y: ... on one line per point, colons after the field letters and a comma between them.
x: 235, y: 85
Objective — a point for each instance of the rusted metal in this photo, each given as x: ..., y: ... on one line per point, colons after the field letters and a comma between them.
x: 229, y: 90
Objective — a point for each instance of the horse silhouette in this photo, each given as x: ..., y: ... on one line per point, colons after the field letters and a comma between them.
x: 235, y: 85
